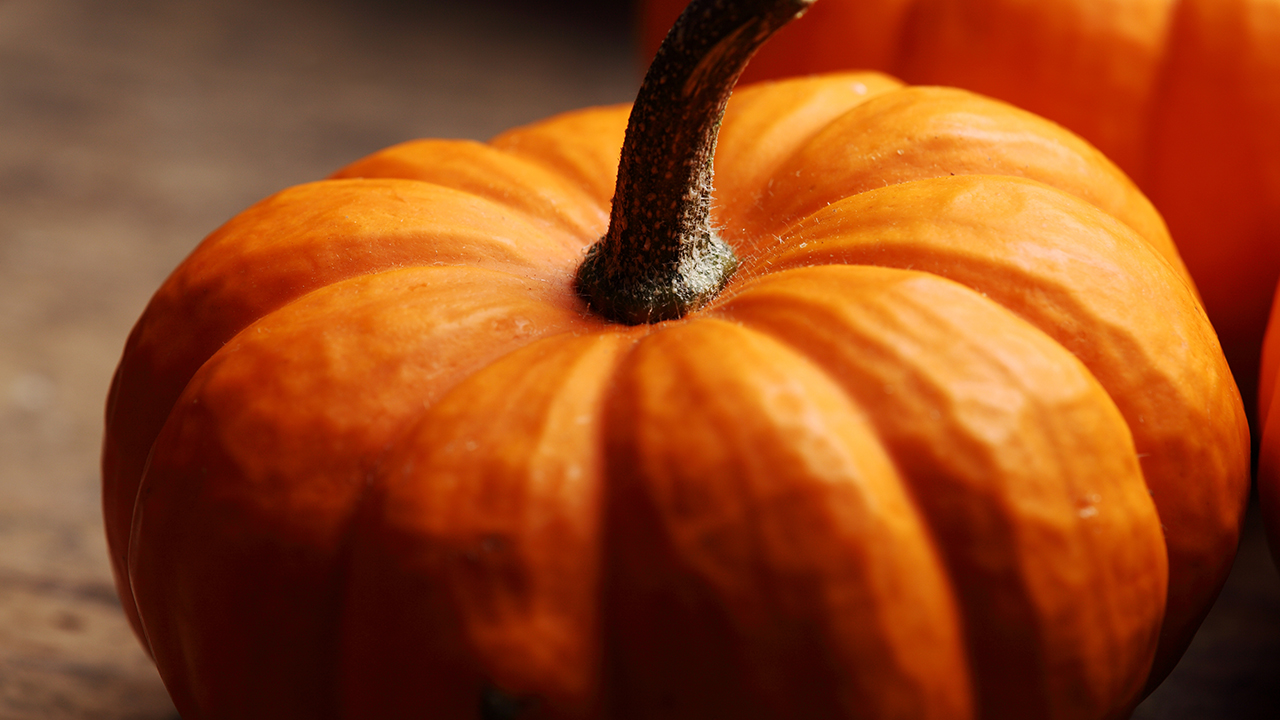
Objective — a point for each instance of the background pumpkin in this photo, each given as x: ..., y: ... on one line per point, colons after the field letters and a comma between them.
x: 1268, y: 476
x: 367, y: 452
x: 1184, y: 95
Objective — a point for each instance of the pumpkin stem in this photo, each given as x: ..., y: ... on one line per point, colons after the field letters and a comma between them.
x: 660, y: 258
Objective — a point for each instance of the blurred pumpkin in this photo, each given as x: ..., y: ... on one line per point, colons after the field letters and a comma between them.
x: 1183, y: 95
x: 1268, y: 477
x: 889, y: 429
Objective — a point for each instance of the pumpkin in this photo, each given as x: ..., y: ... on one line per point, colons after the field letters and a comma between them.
x: 1183, y: 95
x: 1268, y: 466
x: 920, y: 417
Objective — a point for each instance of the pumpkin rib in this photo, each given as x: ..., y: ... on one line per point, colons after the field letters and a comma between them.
x: 936, y: 132
x: 1161, y: 371
x: 268, y: 255
x: 876, y: 332
x: 537, y: 189
x: 782, y: 560
x: 488, y: 513
x: 765, y: 124
x: 274, y: 243
x: 581, y: 145
x: 285, y: 399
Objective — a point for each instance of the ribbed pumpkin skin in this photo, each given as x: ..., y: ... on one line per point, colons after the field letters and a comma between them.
x: 1184, y: 95
x: 368, y: 456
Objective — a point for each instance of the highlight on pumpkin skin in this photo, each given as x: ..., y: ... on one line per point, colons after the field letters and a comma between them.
x: 490, y: 171
x: 765, y: 123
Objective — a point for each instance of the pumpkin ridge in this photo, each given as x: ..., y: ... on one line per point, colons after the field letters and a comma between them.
x: 255, y: 413
x: 389, y: 198
x: 942, y: 141
x: 761, y: 117
x: 808, y: 230
x: 810, y: 320
x: 209, y: 289
x: 569, y: 144
x: 1166, y: 357
x: 487, y: 546
x: 707, y: 583
x: 513, y: 180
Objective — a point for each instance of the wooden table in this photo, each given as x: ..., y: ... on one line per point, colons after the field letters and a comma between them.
x: 128, y: 130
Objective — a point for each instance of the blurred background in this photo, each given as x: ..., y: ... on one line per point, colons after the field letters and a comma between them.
x: 129, y: 129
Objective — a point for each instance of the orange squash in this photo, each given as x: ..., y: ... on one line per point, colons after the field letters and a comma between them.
x: 1268, y: 476
x: 919, y: 418
x: 1183, y: 95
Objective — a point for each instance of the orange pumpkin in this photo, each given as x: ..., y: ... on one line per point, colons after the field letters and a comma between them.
x: 373, y: 450
x: 1183, y: 95
x: 1268, y: 477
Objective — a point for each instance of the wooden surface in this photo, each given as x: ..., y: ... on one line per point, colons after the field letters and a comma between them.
x: 131, y: 128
